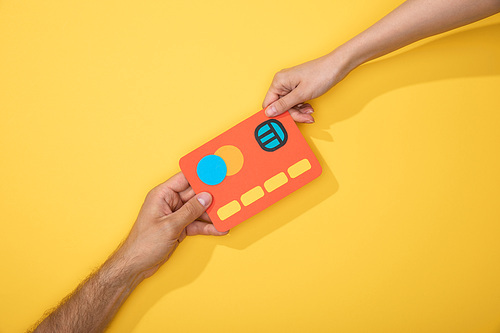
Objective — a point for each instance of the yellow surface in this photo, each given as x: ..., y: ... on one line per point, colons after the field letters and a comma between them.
x: 100, y: 99
x: 233, y: 158
x: 252, y: 195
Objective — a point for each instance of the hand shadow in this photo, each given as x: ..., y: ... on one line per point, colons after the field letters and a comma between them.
x: 472, y: 55
x: 464, y: 54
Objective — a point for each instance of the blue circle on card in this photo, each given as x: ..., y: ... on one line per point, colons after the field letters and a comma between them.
x: 211, y: 169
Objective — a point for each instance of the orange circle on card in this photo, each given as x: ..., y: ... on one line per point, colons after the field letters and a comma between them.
x: 233, y: 158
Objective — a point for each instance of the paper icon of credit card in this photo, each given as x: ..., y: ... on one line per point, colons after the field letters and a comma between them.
x: 249, y: 167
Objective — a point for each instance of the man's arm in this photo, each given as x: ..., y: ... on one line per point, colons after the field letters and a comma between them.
x: 410, y: 22
x: 95, y: 301
x: 168, y: 215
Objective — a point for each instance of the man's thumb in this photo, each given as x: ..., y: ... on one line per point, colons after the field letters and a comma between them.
x: 283, y: 104
x: 192, y: 209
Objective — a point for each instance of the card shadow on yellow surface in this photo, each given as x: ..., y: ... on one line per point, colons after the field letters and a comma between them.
x: 186, y: 266
x: 470, y: 53
x: 473, y: 53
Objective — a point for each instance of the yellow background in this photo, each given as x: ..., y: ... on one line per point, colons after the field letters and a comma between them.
x: 100, y: 99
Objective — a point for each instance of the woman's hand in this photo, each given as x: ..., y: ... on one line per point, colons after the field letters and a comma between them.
x: 292, y: 87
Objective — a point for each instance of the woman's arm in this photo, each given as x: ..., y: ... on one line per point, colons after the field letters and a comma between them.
x: 408, y: 23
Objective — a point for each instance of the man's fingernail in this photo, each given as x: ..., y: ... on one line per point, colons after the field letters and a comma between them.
x: 204, y: 198
x: 271, y: 111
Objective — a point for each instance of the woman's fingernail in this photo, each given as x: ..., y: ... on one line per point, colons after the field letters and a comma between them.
x: 310, y: 121
x: 205, y: 199
x: 271, y: 111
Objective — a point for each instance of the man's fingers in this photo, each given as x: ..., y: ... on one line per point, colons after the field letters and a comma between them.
x: 177, y: 183
x: 202, y: 228
x: 191, y: 210
x: 187, y: 194
x: 285, y: 103
x: 204, y: 217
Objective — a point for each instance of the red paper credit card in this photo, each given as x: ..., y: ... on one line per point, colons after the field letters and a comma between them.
x: 249, y: 167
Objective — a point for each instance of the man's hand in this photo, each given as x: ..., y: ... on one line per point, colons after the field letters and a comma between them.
x: 170, y: 212
x: 168, y: 215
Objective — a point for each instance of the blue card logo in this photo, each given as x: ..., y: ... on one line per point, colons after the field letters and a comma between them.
x: 271, y: 135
